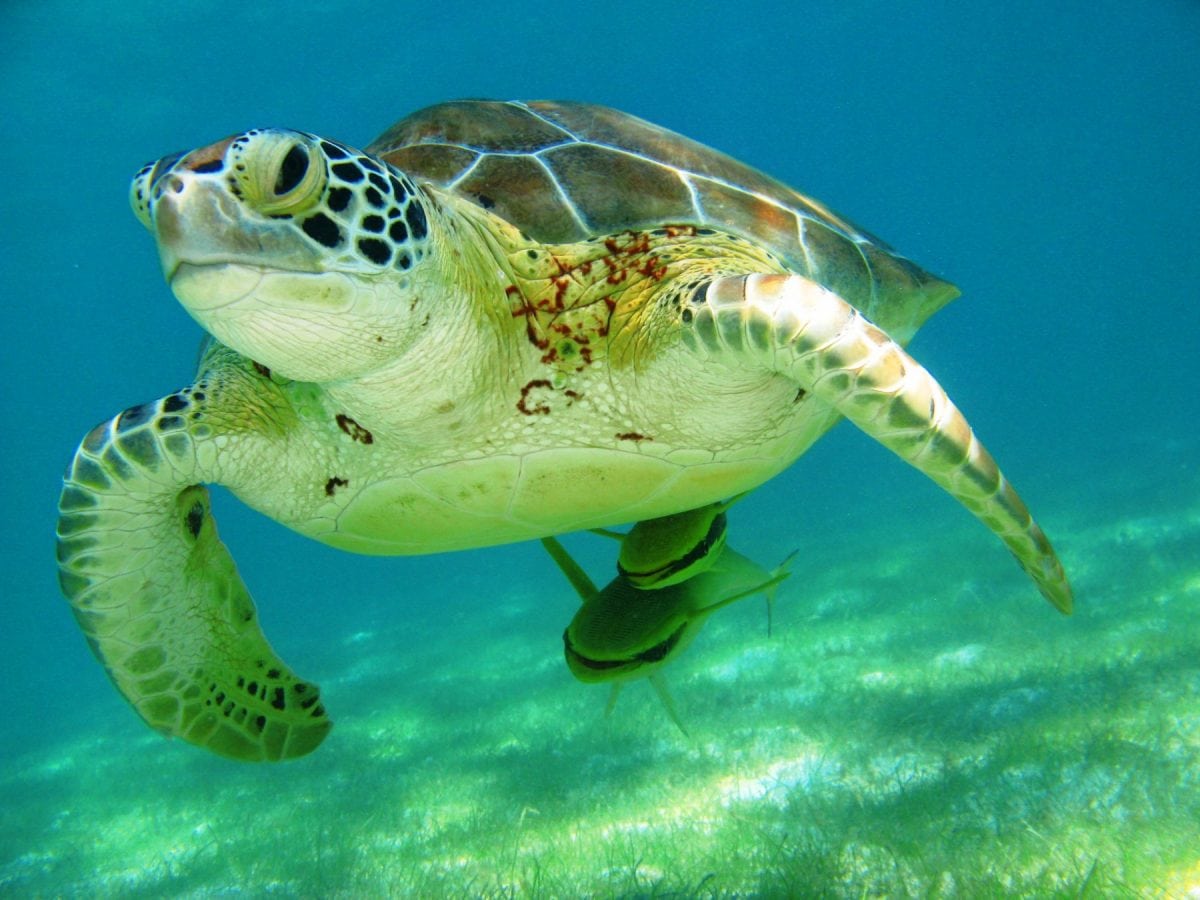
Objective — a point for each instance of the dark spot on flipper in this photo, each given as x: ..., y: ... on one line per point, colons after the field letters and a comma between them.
x: 88, y: 473
x: 333, y: 484
x: 135, y: 417
x: 194, y: 520
x: 142, y: 448
x: 174, y: 403
x: 278, y: 700
x: 96, y: 438
x: 74, y: 499
x: 115, y: 463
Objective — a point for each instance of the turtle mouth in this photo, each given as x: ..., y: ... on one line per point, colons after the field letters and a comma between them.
x: 207, y: 287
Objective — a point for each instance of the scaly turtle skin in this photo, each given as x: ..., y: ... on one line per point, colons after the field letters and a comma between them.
x: 503, y: 321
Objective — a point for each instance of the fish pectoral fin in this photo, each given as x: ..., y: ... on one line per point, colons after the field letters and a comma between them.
x: 612, y: 698
x: 779, y: 573
x: 584, y: 586
x: 659, y: 684
x: 608, y: 533
x: 763, y: 587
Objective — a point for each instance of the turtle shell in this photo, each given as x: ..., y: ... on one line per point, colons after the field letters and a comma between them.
x: 564, y: 171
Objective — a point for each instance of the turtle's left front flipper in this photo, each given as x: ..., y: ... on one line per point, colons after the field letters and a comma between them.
x: 159, y: 597
x: 794, y: 326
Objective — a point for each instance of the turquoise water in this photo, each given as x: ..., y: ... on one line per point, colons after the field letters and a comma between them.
x: 918, y: 723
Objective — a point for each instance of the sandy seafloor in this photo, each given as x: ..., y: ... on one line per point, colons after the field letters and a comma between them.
x: 919, y: 723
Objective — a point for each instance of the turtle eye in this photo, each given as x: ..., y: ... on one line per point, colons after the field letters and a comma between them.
x: 291, y: 171
x: 284, y: 174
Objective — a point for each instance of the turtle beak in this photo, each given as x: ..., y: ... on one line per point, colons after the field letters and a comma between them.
x: 141, y: 189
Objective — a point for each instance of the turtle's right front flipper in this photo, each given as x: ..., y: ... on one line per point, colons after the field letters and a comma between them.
x: 160, y: 599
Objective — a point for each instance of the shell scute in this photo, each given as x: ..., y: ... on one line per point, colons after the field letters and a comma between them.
x: 563, y: 172
x: 483, y: 125
x: 649, y: 194
x: 530, y: 193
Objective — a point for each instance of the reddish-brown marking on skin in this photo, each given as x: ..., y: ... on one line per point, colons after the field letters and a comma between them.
x: 356, y: 431
x: 333, y: 484
x: 678, y: 231
x: 572, y: 396
x: 261, y: 369
x: 539, y: 409
x: 634, y: 436
x: 212, y: 153
x: 565, y: 302
x: 652, y: 270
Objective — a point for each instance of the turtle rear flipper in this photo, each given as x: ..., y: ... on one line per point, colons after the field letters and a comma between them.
x: 800, y: 329
x: 160, y: 599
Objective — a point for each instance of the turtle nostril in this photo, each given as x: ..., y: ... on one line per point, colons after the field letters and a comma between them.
x: 291, y: 170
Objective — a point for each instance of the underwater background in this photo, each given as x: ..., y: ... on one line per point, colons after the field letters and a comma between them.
x: 919, y: 722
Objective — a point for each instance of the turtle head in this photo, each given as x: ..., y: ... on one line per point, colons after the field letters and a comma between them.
x: 298, y: 252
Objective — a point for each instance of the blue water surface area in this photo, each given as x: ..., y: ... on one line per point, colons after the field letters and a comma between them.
x: 918, y: 721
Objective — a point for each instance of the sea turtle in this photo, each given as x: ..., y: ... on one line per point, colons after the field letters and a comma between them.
x: 644, y: 618
x: 499, y: 322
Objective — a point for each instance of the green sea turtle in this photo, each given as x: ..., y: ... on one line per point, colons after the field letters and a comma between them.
x: 639, y: 622
x: 502, y: 321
